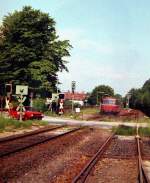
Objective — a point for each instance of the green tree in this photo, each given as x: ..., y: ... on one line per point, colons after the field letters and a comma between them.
x: 98, y: 92
x: 30, y: 50
x: 140, y: 98
x: 135, y: 100
x: 146, y: 86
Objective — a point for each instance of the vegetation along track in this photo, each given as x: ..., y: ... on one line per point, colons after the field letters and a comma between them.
x: 32, y: 139
x: 123, y: 149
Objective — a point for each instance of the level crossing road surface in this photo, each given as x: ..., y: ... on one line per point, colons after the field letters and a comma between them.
x: 102, y: 124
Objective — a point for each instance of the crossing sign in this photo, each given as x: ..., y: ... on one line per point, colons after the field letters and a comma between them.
x: 21, y: 90
x: 21, y: 108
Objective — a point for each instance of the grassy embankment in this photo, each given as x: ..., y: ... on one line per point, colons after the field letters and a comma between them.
x: 7, y: 124
x: 126, y: 130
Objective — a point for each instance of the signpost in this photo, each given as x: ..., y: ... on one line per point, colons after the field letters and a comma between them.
x: 31, y: 99
x: 20, y: 91
x: 55, y: 97
x: 73, y: 87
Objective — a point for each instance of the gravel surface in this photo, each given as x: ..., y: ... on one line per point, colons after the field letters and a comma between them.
x: 122, y: 147
x: 118, y: 163
x: 55, y: 161
x: 145, y: 144
x: 13, y: 145
x: 114, y: 171
x: 24, y: 130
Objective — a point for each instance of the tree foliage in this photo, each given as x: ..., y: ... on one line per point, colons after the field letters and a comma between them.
x: 140, y: 98
x: 98, y: 92
x: 30, y: 50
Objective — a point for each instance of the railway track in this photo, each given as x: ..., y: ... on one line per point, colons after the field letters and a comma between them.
x: 81, y: 177
x: 15, y: 144
x: 85, y: 172
x: 19, y: 136
x: 142, y: 176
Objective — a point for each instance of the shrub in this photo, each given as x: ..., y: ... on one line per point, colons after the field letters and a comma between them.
x: 39, y: 104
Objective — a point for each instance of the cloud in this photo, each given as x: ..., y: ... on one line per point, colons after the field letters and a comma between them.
x: 79, y: 41
x: 86, y: 44
x: 93, y: 63
x: 88, y: 74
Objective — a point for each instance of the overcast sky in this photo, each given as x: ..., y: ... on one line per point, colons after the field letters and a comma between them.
x: 110, y: 39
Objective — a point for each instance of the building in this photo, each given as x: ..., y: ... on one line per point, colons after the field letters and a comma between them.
x: 76, y: 97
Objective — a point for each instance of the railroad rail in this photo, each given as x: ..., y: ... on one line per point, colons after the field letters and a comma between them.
x: 19, y: 136
x: 56, y: 133
x: 142, y: 176
x: 81, y: 177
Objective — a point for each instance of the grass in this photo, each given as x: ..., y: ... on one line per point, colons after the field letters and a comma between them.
x: 124, y: 130
x: 90, y: 110
x: 144, y: 131
x: 49, y: 113
x: 7, y: 124
x: 143, y: 120
x: 74, y: 115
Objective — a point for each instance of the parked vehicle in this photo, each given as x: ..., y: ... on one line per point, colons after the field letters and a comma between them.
x: 29, y: 113
x: 110, y: 105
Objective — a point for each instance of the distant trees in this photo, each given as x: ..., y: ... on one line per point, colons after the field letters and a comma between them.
x: 30, y: 50
x: 140, y: 98
x: 98, y: 92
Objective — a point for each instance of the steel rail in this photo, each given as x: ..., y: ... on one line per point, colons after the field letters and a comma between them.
x: 18, y: 149
x: 142, y: 176
x: 19, y: 136
x: 81, y: 177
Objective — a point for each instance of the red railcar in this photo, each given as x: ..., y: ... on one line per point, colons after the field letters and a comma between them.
x: 110, y: 105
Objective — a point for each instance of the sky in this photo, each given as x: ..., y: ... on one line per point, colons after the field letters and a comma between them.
x: 110, y: 39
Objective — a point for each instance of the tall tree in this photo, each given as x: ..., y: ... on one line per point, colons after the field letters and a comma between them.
x: 98, y: 92
x: 140, y: 98
x: 30, y: 50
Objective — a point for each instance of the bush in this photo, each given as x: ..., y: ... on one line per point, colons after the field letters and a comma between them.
x: 67, y: 103
x: 77, y: 105
x: 39, y: 105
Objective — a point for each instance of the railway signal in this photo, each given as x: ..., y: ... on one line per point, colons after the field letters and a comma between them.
x: 73, y: 86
